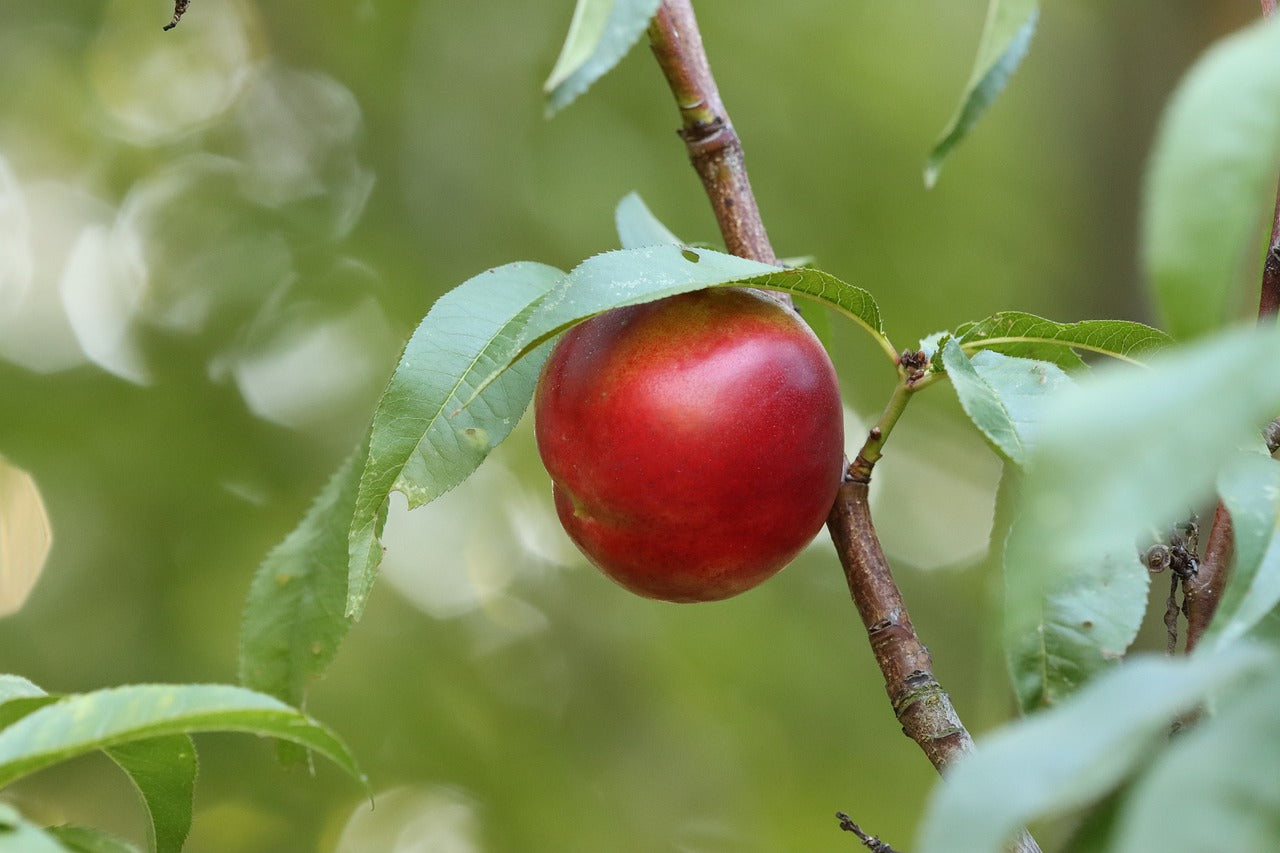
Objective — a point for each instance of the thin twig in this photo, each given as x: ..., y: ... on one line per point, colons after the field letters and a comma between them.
x: 919, y: 702
x: 179, y: 9
x: 1171, y: 617
x: 875, y: 845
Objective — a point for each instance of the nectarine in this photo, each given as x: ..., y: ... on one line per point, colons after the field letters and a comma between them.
x: 695, y: 443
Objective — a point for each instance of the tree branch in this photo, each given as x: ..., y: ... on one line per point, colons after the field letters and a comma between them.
x: 707, y: 132
x: 921, y: 705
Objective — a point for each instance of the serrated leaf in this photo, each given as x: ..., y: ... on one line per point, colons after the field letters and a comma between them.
x: 1003, y: 396
x: 80, y: 723
x: 1212, y: 180
x: 1006, y: 35
x: 86, y: 839
x: 163, y: 770
x: 600, y: 34
x: 1250, y: 488
x: 1232, y: 758
x: 1027, y: 336
x: 638, y: 227
x: 19, y: 835
x: 294, y: 618
x: 436, y: 422
x: 1052, y: 763
x: 1125, y: 451
x: 633, y: 276
x: 1088, y: 614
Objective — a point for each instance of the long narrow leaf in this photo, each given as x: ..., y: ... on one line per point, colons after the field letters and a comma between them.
x: 81, y: 723
x: 294, y: 618
x: 1028, y: 336
x: 1052, y: 763
x: 163, y: 769
x: 1005, y: 39
x: 423, y: 441
x: 1212, y: 180
x: 600, y: 34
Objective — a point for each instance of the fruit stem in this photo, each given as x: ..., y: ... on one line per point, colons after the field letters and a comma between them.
x: 873, y: 447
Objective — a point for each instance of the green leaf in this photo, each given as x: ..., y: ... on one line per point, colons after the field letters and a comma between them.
x: 1005, y: 39
x: 17, y: 687
x: 1231, y: 761
x: 1087, y: 616
x: 294, y: 618
x: 18, y: 835
x: 81, y: 723
x: 1003, y: 396
x: 600, y: 34
x: 638, y: 227
x: 163, y: 769
x: 86, y: 839
x: 1211, y: 180
x: 632, y: 276
x: 1028, y: 336
x: 1055, y: 762
x: 1129, y: 450
x: 1250, y: 488
x: 436, y: 422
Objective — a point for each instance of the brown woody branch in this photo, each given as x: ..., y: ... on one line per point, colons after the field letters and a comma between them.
x: 179, y: 9
x: 1203, y: 591
x: 921, y: 705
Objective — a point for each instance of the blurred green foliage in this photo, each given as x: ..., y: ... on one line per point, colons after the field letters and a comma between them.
x: 214, y: 241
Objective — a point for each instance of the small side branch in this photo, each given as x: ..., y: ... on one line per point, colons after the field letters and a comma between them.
x: 875, y: 845
x: 179, y: 9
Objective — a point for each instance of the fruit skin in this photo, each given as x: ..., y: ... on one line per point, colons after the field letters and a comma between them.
x: 695, y: 443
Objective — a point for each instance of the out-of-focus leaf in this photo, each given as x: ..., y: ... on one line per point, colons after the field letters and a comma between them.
x: 18, y: 835
x: 1129, y: 450
x: 638, y: 227
x: 1028, y: 336
x: 294, y: 618
x: 17, y: 687
x: 437, y: 421
x: 163, y: 769
x: 1233, y: 759
x: 86, y: 839
x: 1005, y: 39
x: 1003, y: 396
x: 1211, y: 180
x: 1250, y: 488
x: 1055, y: 762
x: 1088, y: 615
x: 25, y: 536
x: 81, y: 723
x: 600, y: 34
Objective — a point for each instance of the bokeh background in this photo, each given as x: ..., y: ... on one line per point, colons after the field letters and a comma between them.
x: 214, y: 241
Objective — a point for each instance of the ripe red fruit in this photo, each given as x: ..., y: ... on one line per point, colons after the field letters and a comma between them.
x: 695, y: 443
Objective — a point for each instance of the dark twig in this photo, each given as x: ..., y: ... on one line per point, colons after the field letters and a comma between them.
x: 1202, y: 592
x: 179, y: 9
x: 922, y: 707
x: 875, y: 845
x: 1171, y: 617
